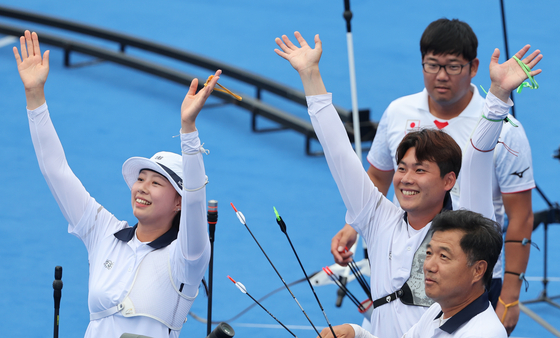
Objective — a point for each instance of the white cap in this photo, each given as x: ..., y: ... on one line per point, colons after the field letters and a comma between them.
x: 165, y: 163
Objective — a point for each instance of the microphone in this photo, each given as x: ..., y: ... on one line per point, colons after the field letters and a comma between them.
x: 212, y: 220
x: 57, y: 294
x: 57, y: 286
x: 223, y: 330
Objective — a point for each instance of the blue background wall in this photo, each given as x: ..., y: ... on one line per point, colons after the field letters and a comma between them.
x: 105, y: 113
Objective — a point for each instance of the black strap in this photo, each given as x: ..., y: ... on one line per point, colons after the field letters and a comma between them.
x: 180, y: 290
x: 524, y: 242
x: 388, y: 299
x: 521, y: 277
x: 406, y: 297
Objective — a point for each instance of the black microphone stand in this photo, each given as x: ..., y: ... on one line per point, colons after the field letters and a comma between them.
x: 548, y: 216
x: 57, y: 294
x: 212, y: 220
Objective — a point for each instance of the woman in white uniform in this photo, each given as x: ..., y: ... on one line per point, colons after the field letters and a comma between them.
x: 142, y: 279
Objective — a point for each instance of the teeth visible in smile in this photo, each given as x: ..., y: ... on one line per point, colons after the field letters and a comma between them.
x: 141, y: 201
x: 409, y: 192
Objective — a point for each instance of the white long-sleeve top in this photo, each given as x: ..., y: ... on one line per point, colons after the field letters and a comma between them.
x: 391, y: 241
x: 113, y: 262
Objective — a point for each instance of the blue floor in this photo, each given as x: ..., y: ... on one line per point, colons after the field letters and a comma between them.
x: 105, y: 113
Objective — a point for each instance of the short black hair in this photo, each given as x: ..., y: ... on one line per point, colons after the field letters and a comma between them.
x: 433, y: 145
x: 482, y: 239
x: 446, y: 36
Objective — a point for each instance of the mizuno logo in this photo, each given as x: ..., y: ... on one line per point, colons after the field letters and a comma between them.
x: 520, y: 174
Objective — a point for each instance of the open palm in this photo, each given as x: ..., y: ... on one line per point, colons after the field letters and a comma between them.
x: 509, y: 75
x: 33, y: 69
x: 193, y: 102
x: 300, y: 58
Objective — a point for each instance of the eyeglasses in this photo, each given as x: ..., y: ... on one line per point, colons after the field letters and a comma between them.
x: 452, y: 69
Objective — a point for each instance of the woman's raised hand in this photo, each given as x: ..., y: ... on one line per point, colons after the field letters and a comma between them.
x: 33, y: 69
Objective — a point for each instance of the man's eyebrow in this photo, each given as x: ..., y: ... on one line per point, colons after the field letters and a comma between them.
x: 416, y: 164
x: 431, y: 58
x: 444, y: 248
x: 441, y: 247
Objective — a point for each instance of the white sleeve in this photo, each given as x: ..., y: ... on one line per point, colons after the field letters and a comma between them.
x: 360, y: 332
x: 352, y: 180
x: 379, y: 155
x: 514, y: 168
x: 193, y: 246
x: 477, y: 166
x: 68, y: 191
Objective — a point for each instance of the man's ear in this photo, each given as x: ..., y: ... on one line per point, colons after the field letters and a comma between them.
x: 479, y: 269
x: 474, y: 67
x: 449, y: 180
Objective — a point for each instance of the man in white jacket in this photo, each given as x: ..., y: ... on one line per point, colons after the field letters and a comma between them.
x: 422, y: 183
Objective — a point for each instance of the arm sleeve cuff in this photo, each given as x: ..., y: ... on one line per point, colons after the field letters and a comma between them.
x: 37, y: 111
x: 190, y: 143
x: 496, y: 109
x: 316, y: 103
x: 360, y: 332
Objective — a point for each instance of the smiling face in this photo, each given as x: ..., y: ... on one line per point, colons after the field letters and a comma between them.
x: 154, y: 200
x: 449, y: 280
x: 449, y: 92
x: 420, y: 188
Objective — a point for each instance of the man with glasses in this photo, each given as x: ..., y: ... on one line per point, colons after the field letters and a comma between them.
x: 451, y: 103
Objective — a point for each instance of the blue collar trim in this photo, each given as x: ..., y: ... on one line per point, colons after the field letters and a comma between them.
x: 162, y: 241
x: 477, y: 306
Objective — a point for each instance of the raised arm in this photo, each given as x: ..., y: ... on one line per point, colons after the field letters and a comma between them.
x: 518, y: 205
x: 68, y: 191
x: 354, y: 185
x: 509, y: 75
x: 193, y: 244
x: 33, y: 69
x: 305, y: 61
x: 476, y: 171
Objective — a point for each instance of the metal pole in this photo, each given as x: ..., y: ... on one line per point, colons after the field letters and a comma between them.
x: 355, y: 113
x: 539, y: 320
x: 504, y: 29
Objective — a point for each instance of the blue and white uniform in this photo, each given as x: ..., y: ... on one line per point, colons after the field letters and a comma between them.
x: 513, y: 170
x: 477, y: 319
x: 114, y: 252
x: 391, y: 241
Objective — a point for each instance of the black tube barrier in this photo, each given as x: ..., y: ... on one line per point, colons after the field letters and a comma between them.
x: 253, y: 105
